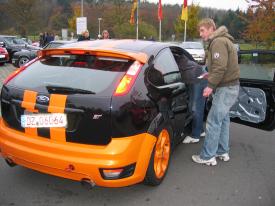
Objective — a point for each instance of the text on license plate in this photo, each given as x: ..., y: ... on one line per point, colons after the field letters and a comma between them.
x: 44, y: 120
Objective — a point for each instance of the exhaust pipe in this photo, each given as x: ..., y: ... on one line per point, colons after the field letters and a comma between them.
x: 10, y: 162
x: 88, y: 184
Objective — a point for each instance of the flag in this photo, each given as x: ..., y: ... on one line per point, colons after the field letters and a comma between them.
x: 134, y: 7
x: 160, y: 11
x: 184, y: 12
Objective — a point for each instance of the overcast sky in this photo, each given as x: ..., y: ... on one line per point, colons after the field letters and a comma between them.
x: 219, y: 4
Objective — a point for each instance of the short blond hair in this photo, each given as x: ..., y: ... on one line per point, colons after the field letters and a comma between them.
x: 207, y: 22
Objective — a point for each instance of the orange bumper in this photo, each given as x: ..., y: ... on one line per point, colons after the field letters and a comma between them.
x: 57, y: 158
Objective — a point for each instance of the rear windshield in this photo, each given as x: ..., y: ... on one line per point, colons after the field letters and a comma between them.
x: 85, y: 72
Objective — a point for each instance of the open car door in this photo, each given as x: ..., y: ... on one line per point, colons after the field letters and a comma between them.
x: 255, y: 106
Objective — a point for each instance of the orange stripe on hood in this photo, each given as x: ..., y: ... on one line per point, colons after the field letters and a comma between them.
x: 29, y: 101
x: 57, y: 105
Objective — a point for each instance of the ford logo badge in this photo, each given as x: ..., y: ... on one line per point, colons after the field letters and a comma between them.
x: 42, y: 99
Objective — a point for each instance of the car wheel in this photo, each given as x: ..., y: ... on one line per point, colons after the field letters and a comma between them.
x: 160, y: 157
x: 22, y: 61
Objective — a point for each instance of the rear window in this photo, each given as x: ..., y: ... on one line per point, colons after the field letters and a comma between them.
x: 85, y: 72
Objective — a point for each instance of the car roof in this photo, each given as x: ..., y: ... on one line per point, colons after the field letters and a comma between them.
x: 139, y: 49
x: 7, y: 36
x: 63, y: 41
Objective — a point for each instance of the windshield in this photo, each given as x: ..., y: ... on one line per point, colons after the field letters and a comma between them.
x: 15, y: 40
x: 192, y: 45
x: 82, y: 72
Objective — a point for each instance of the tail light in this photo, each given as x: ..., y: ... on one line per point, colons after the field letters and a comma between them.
x: 128, y: 80
x: 19, y: 70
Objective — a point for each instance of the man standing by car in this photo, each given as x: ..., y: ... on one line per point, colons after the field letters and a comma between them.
x: 223, y: 82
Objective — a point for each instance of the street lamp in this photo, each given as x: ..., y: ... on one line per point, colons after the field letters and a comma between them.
x: 81, y: 8
x: 99, y: 34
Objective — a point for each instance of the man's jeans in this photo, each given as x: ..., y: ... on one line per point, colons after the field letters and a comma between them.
x: 197, y: 104
x: 217, y: 125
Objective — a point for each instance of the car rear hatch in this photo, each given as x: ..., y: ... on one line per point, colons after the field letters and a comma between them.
x: 65, y: 97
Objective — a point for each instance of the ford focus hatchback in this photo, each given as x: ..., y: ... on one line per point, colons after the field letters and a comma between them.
x: 106, y: 112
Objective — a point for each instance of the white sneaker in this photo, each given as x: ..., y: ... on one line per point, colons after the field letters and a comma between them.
x: 210, y: 162
x: 224, y: 157
x: 203, y: 134
x: 189, y: 140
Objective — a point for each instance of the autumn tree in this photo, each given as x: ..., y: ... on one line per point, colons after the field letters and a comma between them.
x: 72, y: 20
x: 261, y: 22
x: 23, y: 13
x: 192, y: 22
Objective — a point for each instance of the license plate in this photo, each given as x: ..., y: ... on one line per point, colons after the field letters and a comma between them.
x: 44, y: 120
x: 2, y: 56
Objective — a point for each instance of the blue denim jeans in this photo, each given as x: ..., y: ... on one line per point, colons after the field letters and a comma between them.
x: 197, y: 105
x: 217, y: 124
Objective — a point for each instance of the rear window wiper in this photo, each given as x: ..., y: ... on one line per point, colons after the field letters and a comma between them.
x: 67, y: 90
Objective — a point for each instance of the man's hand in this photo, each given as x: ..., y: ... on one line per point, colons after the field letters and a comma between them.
x: 207, y: 91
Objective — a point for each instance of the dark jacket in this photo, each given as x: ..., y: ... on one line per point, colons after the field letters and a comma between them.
x: 190, y: 70
x: 222, y: 60
x: 83, y: 38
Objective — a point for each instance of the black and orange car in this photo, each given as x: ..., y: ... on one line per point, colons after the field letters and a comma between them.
x: 105, y: 112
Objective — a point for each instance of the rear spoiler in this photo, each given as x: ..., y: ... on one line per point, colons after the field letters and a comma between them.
x: 141, y: 57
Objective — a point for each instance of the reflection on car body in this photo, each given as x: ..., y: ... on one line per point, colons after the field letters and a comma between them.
x: 125, y: 107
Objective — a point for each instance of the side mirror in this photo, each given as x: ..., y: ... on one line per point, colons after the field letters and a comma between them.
x: 274, y: 77
x: 2, y: 44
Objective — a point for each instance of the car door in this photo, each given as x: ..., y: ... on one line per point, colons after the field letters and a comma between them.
x: 255, y: 105
x: 164, y: 75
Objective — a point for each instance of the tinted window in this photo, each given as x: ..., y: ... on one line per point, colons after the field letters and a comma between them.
x: 53, y: 45
x: 165, y: 70
x: 257, y: 65
x: 84, y: 72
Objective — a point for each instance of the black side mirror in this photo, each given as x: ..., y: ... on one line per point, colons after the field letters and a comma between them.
x: 274, y: 77
x: 2, y: 44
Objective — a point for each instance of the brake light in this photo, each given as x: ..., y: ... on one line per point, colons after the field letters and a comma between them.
x: 19, y: 70
x: 128, y: 80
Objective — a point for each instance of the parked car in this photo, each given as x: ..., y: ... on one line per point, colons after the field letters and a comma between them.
x: 196, y: 49
x: 4, y: 55
x: 22, y: 57
x: 107, y: 112
x: 14, y: 44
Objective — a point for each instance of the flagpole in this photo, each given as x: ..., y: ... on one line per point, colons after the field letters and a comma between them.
x: 185, y: 30
x: 159, y: 30
x: 137, y: 17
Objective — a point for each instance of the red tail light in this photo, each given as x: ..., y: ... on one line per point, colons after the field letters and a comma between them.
x: 17, y: 71
x: 128, y: 80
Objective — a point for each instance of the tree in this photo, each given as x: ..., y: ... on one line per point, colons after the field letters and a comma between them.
x: 192, y: 22
x: 23, y: 13
x: 261, y: 25
x: 72, y: 20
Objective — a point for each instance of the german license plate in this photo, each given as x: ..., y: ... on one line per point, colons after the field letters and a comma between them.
x: 2, y: 56
x: 44, y: 120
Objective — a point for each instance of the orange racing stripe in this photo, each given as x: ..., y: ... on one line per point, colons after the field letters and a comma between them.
x: 29, y: 101
x: 57, y: 105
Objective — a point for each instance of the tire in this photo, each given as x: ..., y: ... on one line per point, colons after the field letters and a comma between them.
x: 160, y: 157
x: 23, y: 60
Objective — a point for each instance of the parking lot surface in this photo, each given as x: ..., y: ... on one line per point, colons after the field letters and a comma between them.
x: 248, y: 179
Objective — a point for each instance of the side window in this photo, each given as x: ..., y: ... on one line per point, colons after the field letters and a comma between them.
x: 257, y: 64
x: 165, y: 70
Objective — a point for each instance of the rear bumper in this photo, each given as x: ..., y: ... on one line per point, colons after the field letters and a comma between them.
x: 52, y: 157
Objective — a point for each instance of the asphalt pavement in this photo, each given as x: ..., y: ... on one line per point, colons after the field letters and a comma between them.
x: 248, y: 179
